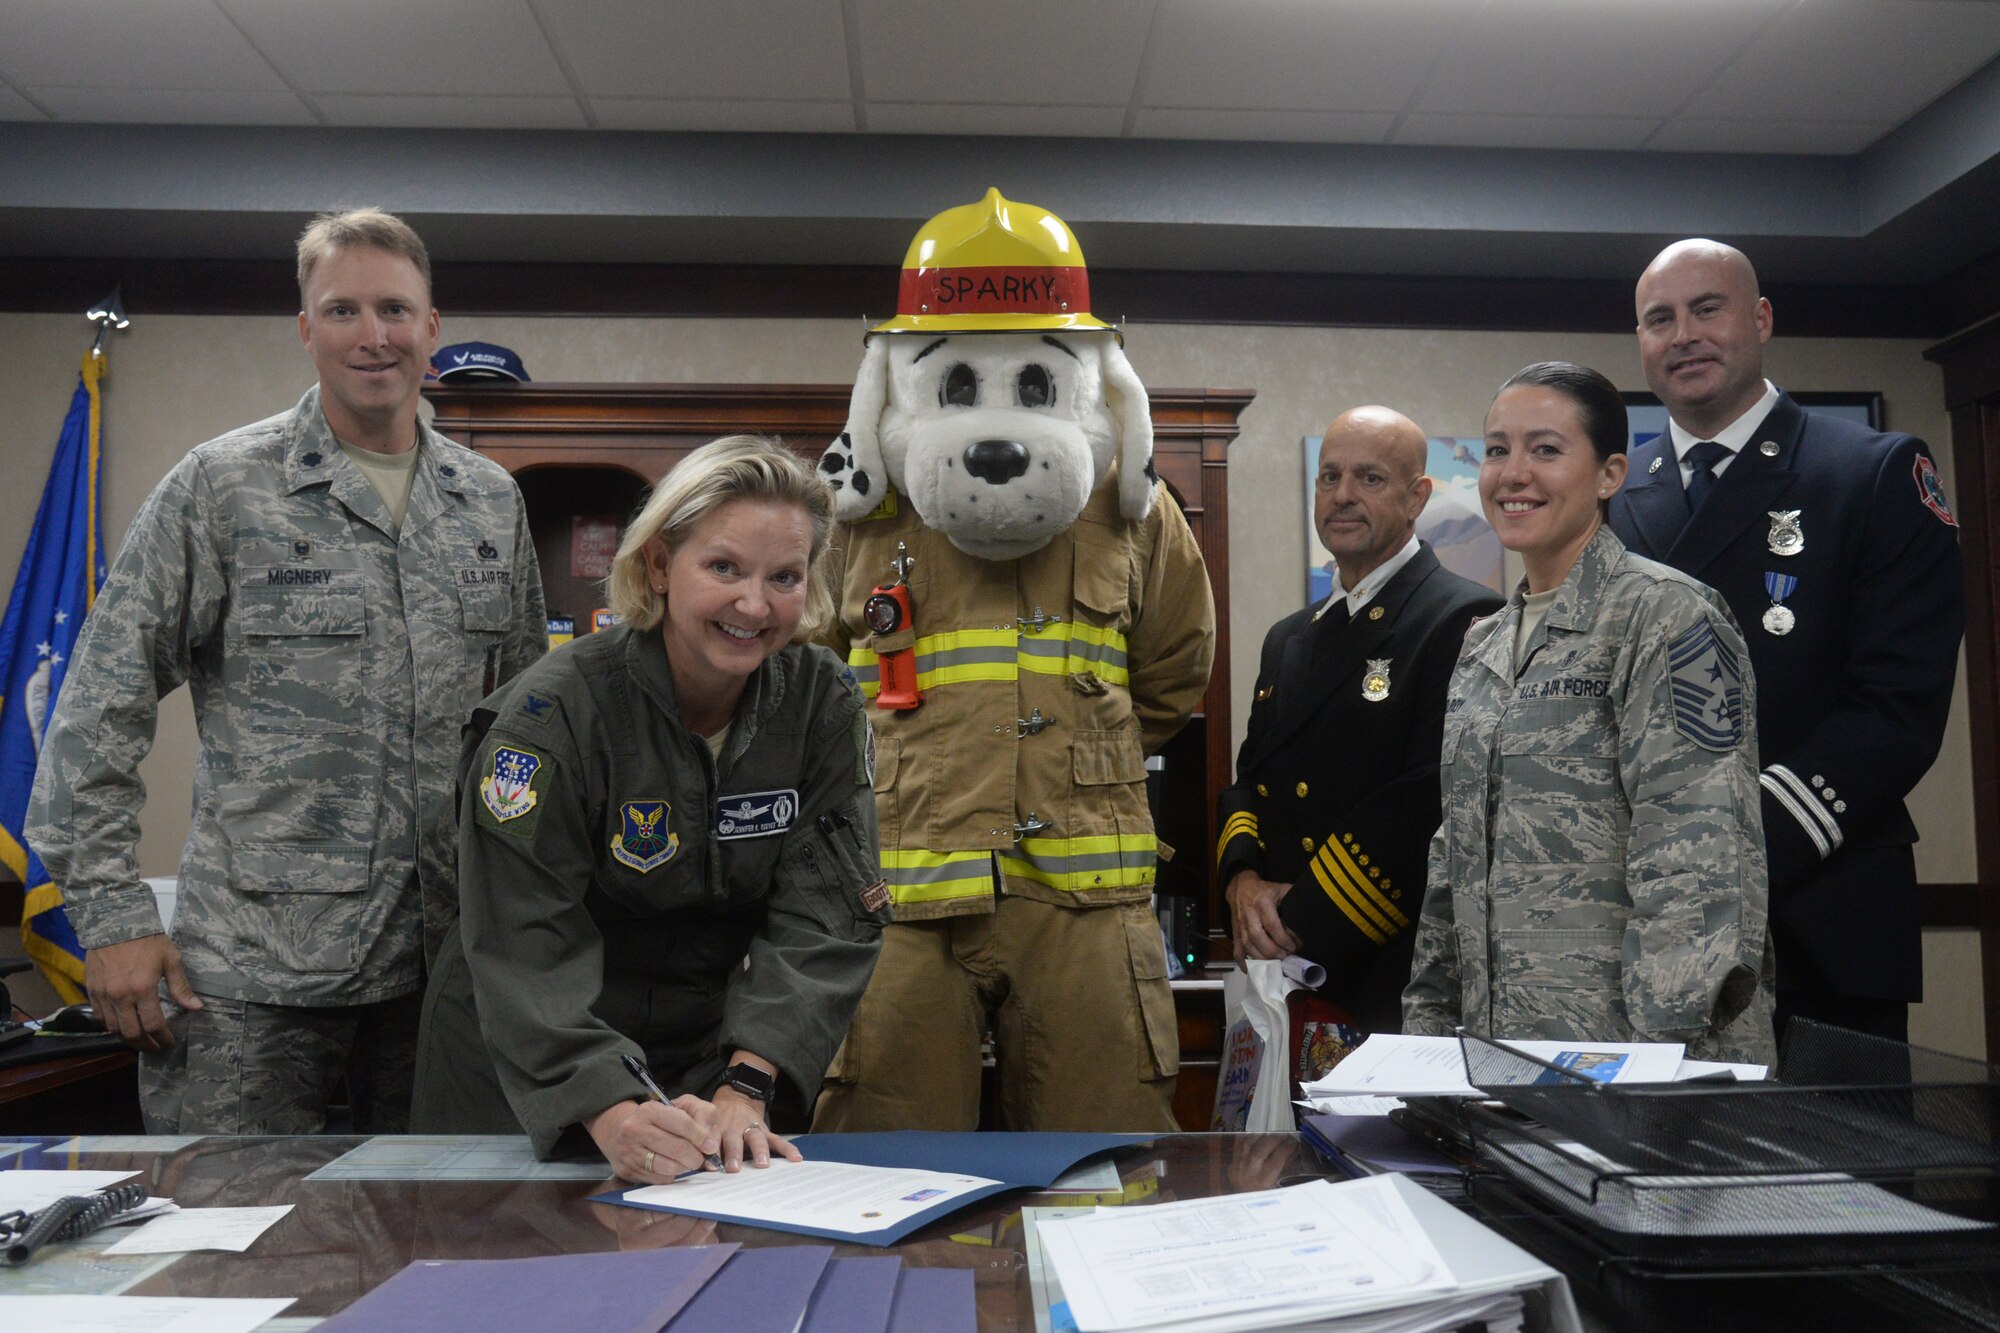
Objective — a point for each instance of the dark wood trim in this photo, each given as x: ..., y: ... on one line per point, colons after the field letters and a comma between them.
x: 1948, y: 906
x: 1573, y: 305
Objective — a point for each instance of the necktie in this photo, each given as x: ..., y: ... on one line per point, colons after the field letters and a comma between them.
x: 1705, y: 456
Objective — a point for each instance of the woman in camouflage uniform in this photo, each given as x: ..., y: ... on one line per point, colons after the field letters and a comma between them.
x: 667, y: 849
x: 1600, y: 871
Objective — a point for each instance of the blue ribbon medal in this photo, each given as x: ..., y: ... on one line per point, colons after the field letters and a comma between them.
x: 1779, y: 618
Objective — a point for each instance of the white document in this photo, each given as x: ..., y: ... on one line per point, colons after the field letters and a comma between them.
x: 831, y: 1196
x: 1351, y: 1105
x: 137, y: 1314
x: 1390, y: 1064
x: 1709, y: 1068
x: 185, y: 1229
x: 129, y: 1143
x: 33, y: 1191
x: 1337, y: 1249
x: 454, y: 1157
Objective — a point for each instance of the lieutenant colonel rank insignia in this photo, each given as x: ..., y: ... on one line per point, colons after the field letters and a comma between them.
x: 640, y: 844
x: 508, y: 789
x: 1375, y: 684
x: 1707, y: 682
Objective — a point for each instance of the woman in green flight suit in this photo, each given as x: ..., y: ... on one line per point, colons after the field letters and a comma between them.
x: 666, y: 849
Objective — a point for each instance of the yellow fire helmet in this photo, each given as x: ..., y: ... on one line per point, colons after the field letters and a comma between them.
x: 996, y: 266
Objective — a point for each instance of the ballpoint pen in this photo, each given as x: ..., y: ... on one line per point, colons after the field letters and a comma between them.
x: 639, y: 1072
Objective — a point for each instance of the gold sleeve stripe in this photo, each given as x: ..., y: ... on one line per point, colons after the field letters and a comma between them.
x: 1361, y: 923
x: 1360, y: 877
x: 1340, y: 877
x: 1242, y: 824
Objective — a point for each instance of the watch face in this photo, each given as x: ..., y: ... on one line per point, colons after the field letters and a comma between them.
x: 751, y: 1081
x: 882, y: 613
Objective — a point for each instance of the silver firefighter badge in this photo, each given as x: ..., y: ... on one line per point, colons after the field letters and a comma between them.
x: 1787, y: 537
x: 1375, y: 683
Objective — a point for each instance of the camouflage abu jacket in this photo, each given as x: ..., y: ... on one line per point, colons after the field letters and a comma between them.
x: 331, y: 666
x: 1600, y: 871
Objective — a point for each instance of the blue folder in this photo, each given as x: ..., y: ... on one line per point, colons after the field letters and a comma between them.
x: 1016, y: 1161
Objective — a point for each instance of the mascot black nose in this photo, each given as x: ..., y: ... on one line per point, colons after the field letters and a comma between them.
x: 997, y: 461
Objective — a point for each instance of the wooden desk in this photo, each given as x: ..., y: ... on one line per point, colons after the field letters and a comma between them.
x: 346, y: 1237
x: 93, y: 1094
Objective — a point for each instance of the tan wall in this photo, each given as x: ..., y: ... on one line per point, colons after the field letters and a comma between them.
x: 178, y: 380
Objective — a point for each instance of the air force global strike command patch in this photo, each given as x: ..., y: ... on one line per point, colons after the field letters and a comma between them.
x: 642, y: 843
x: 512, y: 788
x: 1707, y: 682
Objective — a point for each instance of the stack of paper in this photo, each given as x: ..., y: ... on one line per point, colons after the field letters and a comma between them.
x: 689, y: 1290
x: 1364, y: 1255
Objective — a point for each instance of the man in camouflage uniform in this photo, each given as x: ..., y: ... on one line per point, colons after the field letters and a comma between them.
x: 1600, y: 871
x: 338, y: 586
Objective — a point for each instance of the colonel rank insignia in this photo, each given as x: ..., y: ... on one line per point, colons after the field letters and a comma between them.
x: 1375, y: 684
x: 640, y: 844
x: 508, y: 789
x: 1707, y: 688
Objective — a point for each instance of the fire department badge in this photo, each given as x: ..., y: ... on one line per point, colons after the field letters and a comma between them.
x: 1787, y: 537
x: 508, y: 789
x: 640, y: 843
x: 1375, y: 684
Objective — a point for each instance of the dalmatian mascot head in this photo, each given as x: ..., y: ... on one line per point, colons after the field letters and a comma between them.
x: 994, y: 401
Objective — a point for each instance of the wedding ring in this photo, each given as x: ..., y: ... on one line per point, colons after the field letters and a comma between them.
x: 648, y: 1168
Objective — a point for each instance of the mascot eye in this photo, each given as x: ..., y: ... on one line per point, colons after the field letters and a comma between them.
x: 960, y: 387
x: 1034, y: 387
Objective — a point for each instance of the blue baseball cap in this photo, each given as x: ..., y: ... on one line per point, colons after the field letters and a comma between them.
x: 476, y: 361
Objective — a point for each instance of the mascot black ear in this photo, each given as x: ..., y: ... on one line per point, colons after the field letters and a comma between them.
x: 1126, y: 397
x: 852, y: 464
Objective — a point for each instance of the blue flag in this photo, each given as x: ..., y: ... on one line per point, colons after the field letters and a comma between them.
x: 61, y: 571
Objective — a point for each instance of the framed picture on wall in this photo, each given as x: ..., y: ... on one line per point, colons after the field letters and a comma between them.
x: 1452, y: 522
x: 1648, y: 417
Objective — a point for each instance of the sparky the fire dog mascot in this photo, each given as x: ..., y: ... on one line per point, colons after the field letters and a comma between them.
x: 1028, y: 614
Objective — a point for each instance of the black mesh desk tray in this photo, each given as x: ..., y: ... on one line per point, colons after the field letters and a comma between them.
x: 1862, y: 1151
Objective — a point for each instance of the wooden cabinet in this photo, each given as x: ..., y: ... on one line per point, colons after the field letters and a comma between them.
x: 589, y: 451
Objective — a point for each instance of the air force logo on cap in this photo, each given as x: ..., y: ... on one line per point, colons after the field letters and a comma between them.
x: 477, y: 361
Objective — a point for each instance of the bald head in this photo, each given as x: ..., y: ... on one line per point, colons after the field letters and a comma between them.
x: 1702, y: 329
x: 1370, y: 488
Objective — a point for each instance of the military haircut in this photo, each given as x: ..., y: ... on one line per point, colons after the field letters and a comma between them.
x: 734, y: 467
x: 371, y: 227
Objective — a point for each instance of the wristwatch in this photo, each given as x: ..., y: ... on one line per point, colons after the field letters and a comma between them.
x: 750, y: 1081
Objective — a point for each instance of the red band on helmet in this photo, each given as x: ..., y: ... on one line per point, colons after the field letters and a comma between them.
x: 994, y: 291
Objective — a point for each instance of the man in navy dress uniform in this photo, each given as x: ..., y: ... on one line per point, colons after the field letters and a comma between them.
x: 1325, y: 830
x: 1834, y: 546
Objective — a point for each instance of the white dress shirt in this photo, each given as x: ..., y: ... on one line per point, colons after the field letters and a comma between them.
x: 1732, y: 437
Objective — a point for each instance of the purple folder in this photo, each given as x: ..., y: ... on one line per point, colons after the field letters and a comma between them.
x: 854, y: 1296
x: 605, y: 1293
x: 757, y: 1291
x: 935, y: 1300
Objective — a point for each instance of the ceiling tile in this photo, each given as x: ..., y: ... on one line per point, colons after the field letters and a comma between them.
x: 454, y: 113
x: 1587, y: 58
x: 155, y: 44
x: 1460, y: 131
x: 1100, y: 122
x: 171, y: 106
x: 396, y: 46
x: 1857, y: 60
x: 1024, y: 52
x: 1265, y: 126
x: 13, y: 106
x: 1691, y: 134
x: 1364, y: 55
x: 654, y: 113
x: 722, y: 49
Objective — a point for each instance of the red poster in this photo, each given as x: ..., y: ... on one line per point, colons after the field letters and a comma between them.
x: 593, y: 540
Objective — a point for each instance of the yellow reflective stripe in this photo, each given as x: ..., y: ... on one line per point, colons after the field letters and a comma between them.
x: 1141, y: 844
x: 971, y: 671
x: 965, y: 638
x: 1077, y: 881
x: 1073, y: 664
x: 1360, y: 878
x: 1097, y: 861
x: 1319, y: 873
x: 920, y: 876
